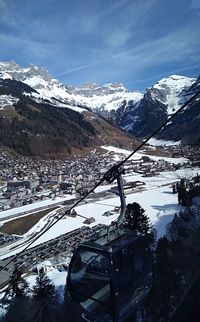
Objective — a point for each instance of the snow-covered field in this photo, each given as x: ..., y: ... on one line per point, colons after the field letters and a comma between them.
x: 157, y: 199
x: 34, y: 206
x: 163, y: 143
x: 121, y: 153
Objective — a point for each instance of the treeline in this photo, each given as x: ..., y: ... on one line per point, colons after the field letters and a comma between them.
x: 39, y: 129
x: 168, y: 283
x: 176, y: 266
x: 187, y: 189
x: 174, y: 294
x: 40, y: 303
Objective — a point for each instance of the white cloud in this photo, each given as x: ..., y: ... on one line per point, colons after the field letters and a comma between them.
x: 195, y: 4
x: 174, y: 47
x: 37, y: 50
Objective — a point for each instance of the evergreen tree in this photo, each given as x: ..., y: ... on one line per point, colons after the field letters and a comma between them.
x: 45, y: 299
x: 137, y: 220
x: 182, y: 192
x: 44, y: 289
x: 17, y: 288
x: 168, y: 282
x: 20, y: 310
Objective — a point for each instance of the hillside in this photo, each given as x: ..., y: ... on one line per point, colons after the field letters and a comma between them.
x: 39, y: 128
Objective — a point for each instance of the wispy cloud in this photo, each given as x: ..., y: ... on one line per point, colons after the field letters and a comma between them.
x: 102, y: 40
x: 6, y: 16
x: 173, y: 47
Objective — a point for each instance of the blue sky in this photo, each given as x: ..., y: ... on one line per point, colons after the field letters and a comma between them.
x: 136, y: 42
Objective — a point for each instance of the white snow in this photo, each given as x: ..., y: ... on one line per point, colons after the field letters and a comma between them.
x: 138, y: 155
x: 172, y: 89
x: 158, y: 201
x: 5, y: 75
x: 163, y: 143
x: 34, y: 206
x: 107, y: 97
x: 7, y: 100
x: 58, y: 278
x: 108, y: 102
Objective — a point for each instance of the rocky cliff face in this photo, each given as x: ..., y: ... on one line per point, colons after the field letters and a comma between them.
x: 185, y: 127
x: 159, y: 102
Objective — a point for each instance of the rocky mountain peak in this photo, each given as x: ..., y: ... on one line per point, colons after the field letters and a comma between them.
x: 172, y: 91
x: 91, y: 89
x: 12, y: 70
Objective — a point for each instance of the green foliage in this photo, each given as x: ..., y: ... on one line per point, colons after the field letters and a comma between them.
x: 38, y: 129
x: 187, y: 191
x: 44, y: 289
x: 137, y: 220
x: 17, y: 288
x: 168, y: 283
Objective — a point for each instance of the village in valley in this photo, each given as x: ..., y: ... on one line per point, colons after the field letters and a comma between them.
x: 37, y: 192
x: 24, y: 180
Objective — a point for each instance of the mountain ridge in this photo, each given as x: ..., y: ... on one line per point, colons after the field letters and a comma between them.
x: 35, y: 128
x: 136, y: 113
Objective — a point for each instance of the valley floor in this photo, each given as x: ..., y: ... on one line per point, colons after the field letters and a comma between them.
x: 155, y: 196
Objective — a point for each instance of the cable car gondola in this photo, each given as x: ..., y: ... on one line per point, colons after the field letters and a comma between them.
x: 111, y: 276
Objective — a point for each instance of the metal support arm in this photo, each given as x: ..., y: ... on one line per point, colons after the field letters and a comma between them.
x: 116, y: 173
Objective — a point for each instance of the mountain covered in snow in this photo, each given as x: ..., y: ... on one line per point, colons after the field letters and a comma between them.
x: 137, y: 113
x: 186, y: 125
x: 38, y: 116
x: 157, y: 105
x: 90, y: 96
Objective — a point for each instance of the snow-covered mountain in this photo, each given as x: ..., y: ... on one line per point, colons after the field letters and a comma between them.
x: 135, y: 112
x: 38, y: 115
x: 107, y: 97
x: 186, y: 126
x: 47, y: 88
x: 157, y: 104
x: 172, y: 91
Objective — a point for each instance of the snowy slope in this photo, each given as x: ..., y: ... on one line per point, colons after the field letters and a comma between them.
x: 137, y: 113
x: 47, y: 88
x: 157, y: 199
x: 108, y: 96
x: 109, y: 102
x: 159, y: 102
x: 171, y: 91
x: 7, y: 100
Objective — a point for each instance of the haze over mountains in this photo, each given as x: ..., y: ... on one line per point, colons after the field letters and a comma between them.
x: 40, y: 115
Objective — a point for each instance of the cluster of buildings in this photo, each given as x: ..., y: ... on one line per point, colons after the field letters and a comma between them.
x: 26, y: 180
x: 191, y: 152
x: 6, y: 239
x: 57, y: 252
x: 148, y: 167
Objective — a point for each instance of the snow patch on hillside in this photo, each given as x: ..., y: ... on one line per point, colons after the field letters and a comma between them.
x: 6, y: 100
x: 5, y: 75
x: 109, y: 102
x: 163, y: 143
